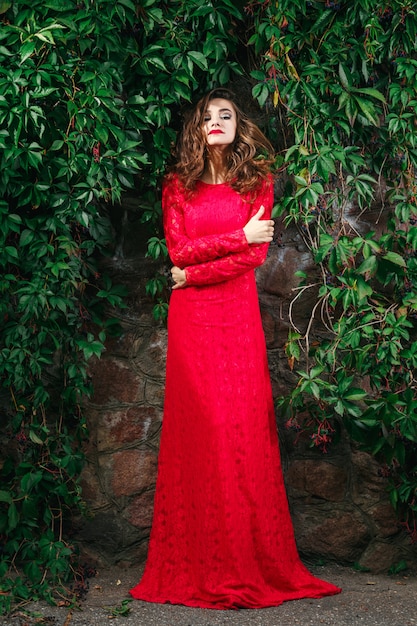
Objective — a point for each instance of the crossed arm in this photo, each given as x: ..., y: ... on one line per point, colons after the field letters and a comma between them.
x: 216, y: 258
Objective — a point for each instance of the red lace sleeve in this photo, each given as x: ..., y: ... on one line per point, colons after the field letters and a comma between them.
x: 236, y: 263
x: 185, y: 251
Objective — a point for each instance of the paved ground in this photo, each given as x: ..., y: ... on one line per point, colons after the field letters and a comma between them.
x: 366, y: 600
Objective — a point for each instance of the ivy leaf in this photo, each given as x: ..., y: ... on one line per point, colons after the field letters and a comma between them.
x: 345, y: 76
x: 129, y: 4
x: 301, y: 181
x: 370, y: 91
x: 199, y: 59
x: 395, y: 258
x: 27, y: 50
x: 368, y: 110
x: 369, y: 265
x: 258, y: 75
x: 310, y: 92
x: 261, y: 93
x: 157, y: 62
x: 13, y: 516
x: 351, y: 110
x: 363, y: 288
x: 5, y: 497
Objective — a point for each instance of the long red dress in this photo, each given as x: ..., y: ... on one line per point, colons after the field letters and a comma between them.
x: 222, y: 536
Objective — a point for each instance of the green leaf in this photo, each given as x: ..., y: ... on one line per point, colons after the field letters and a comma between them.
x: 310, y: 92
x: 355, y: 394
x: 5, y: 497
x: 27, y: 50
x: 368, y: 266
x: 56, y: 145
x: 258, y: 75
x: 11, y: 251
x: 13, y: 516
x: 323, y: 20
x: 26, y: 237
x: 261, y: 93
x: 394, y: 257
x: 301, y: 181
x: 157, y: 62
x: 364, y: 289
x: 198, y: 58
x: 368, y: 178
x: 368, y: 110
x: 345, y: 76
x: 5, y: 6
x: 370, y: 91
x: 45, y: 35
x: 129, y: 4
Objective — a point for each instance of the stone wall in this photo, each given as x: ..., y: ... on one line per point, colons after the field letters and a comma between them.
x: 338, y: 500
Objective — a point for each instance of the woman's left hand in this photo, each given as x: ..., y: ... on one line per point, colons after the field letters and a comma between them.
x: 179, y: 277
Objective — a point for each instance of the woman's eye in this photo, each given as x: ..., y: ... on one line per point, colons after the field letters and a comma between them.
x: 226, y: 116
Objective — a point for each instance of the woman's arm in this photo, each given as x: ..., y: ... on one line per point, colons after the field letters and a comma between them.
x: 233, y: 264
x: 226, y: 268
x: 185, y: 251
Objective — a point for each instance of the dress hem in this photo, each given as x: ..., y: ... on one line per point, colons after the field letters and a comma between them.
x: 225, y: 606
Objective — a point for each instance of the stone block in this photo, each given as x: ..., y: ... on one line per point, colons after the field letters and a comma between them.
x: 148, y: 353
x: 92, y: 491
x: 140, y: 510
x: 277, y: 275
x: 385, y: 519
x: 340, y: 535
x: 155, y: 393
x: 368, y: 484
x: 115, y: 382
x: 133, y: 472
x: 319, y: 479
x: 380, y: 556
x: 108, y: 536
x: 126, y: 425
x: 268, y: 324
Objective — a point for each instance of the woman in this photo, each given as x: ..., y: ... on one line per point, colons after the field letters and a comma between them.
x: 222, y: 535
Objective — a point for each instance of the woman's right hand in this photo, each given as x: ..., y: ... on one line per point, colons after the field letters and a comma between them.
x: 179, y: 277
x: 258, y: 230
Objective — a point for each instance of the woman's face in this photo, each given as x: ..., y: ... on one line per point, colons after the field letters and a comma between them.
x: 220, y: 123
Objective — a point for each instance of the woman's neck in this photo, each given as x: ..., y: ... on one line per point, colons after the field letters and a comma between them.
x: 215, y: 168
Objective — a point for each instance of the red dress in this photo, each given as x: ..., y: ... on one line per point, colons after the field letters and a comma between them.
x: 222, y: 536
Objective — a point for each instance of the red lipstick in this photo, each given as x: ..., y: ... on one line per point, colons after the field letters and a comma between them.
x: 216, y: 132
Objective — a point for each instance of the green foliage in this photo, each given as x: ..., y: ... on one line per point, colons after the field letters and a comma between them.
x: 398, y: 568
x: 343, y: 74
x: 121, y: 610
x: 66, y: 151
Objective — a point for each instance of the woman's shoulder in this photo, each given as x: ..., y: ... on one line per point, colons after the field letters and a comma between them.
x: 173, y: 179
x: 264, y: 183
x: 269, y: 178
x: 170, y: 178
x: 173, y: 189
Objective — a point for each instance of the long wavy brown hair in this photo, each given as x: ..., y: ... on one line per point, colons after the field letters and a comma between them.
x: 250, y: 156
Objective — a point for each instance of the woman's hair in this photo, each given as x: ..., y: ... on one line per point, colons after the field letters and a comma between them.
x: 249, y: 158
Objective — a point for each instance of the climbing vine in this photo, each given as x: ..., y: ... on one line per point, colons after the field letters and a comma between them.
x: 344, y: 76
x: 65, y: 151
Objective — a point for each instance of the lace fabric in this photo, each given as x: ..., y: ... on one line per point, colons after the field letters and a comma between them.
x: 222, y: 535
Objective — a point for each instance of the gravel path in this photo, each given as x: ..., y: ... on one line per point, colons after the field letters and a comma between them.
x: 366, y: 600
